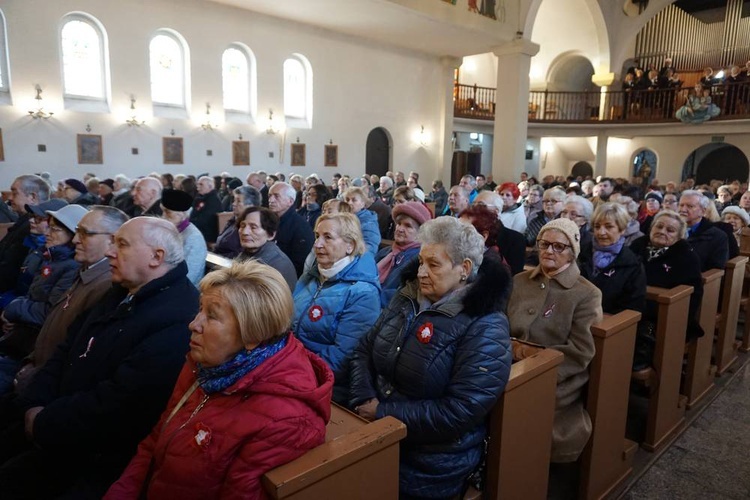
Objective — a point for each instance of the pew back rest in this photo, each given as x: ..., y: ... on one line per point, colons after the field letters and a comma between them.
x: 222, y: 219
x: 358, y: 460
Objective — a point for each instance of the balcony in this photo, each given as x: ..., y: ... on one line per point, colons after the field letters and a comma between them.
x: 637, y: 106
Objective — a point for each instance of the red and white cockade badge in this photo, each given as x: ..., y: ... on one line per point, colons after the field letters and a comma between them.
x: 46, y: 271
x: 202, y: 435
x: 200, y: 205
x: 548, y: 311
x: 424, y: 333
x: 315, y: 313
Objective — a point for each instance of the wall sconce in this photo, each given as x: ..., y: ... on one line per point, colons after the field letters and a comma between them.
x: 40, y: 113
x: 273, y: 128
x: 133, y: 121
x: 422, y: 137
x: 208, y: 125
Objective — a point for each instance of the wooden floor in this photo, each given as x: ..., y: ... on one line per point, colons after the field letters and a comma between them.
x: 710, y: 457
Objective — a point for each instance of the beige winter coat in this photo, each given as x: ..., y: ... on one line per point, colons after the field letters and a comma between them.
x: 558, y: 313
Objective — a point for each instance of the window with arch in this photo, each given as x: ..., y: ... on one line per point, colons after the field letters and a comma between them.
x: 4, y: 66
x: 238, y: 81
x: 298, y: 91
x: 168, y: 57
x: 85, y: 59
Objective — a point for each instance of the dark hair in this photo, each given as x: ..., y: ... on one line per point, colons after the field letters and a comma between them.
x: 322, y: 194
x: 484, y: 220
x: 269, y: 221
x: 188, y: 185
x: 406, y: 192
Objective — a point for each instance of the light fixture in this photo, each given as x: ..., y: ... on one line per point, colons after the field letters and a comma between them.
x: 133, y: 121
x: 272, y: 127
x: 422, y: 137
x: 40, y: 113
x: 208, y: 125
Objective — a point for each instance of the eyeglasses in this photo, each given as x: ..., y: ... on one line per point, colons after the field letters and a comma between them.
x: 556, y: 247
x: 551, y: 201
x: 82, y: 232
x: 570, y: 215
x: 56, y: 229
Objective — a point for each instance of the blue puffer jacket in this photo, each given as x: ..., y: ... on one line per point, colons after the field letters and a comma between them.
x: 330, y: 317
x: 392, y: 283
x: 440, y: 371
x: 370, y: 230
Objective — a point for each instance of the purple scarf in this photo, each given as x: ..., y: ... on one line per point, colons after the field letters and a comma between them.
x: 603, y: 256
x: 386, y: 264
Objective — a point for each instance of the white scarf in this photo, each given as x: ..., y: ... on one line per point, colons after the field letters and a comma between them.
x: 336, y: 268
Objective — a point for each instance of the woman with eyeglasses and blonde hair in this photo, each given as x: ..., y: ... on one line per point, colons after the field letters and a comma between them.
x: 553, y: 305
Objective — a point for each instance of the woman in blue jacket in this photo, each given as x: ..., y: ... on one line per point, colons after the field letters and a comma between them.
x: 338, y: 299
x: 368, y: 221
x: 438, y: 358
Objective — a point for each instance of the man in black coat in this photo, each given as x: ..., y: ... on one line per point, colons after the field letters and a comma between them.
x: 103, y: 390
x: 26, y: 190
x: 708, y: 242
x: 147, y: 197
x: 295, y: 236
x: 205, y: 208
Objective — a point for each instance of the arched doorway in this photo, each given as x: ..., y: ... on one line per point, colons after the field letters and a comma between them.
x: 582, y: 169
x: 719, y: 161
x: 378, y: 152
x: 644, y: 167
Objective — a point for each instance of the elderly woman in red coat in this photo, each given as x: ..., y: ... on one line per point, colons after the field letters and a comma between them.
x: 250, y: 397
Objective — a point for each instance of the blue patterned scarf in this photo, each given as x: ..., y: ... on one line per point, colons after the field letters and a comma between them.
x: 217, y: 378
x: 603, y: 256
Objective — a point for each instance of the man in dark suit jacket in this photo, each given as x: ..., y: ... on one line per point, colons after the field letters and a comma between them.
x: 205, y: 208
x: 26, y: 190
x: 295, y: 236
x: 708, y: 242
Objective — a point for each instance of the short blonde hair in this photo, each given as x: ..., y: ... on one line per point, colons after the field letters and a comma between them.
x: 671, y: 214
x: 259, y: 297
x: 348, y: 229
x: 612, y: 211
x: 358, y: 192
x: 341, y: 206
x: 626, y: 201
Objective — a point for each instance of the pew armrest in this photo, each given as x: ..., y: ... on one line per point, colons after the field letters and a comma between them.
x: 216, y: 261
x: 668, y: 295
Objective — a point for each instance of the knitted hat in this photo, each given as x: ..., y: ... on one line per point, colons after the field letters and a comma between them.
x: 739, y: 212
x: 655, y: 195
x: 69, y: 216
x: 41, y: 209
x: 109, y: 182
x: 176, y: 200
x: 234, y: 183
x: 413, y: 209
x: 77, y: 185
x: 568, y: 228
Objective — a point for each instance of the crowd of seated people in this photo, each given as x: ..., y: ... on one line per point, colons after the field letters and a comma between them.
x: 115, y: 338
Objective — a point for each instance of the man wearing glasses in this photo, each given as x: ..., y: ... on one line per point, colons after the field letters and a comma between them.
x: 579, y: 210
x: 93, y: 237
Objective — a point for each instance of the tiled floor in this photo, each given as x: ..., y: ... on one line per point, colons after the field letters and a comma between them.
x: 711, y: 459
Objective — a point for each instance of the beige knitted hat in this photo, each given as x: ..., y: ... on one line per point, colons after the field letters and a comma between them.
x: 568, y: 228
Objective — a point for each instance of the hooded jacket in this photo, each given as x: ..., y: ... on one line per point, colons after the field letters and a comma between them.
x: 440, y: 371
x: 269, y: 417
x: 331, y: 316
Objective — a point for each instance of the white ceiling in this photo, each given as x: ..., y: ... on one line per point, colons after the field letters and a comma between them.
x: 431, y: 27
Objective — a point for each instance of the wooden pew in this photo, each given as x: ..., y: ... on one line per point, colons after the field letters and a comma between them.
x: 666, y: 408
x: 222, y: 219
x: 607, y: 459
x: 520, y: 443
x: 216, y: 261
x: 431, y: 207
x: 726, y: 345
x: 700, y: 373
x: 745, y: 301
x: 358, y: 460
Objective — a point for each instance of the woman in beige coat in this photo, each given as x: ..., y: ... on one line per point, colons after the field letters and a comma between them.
x: 554, y: 306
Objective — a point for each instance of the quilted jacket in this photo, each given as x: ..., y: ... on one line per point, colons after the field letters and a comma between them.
x: 440, y: 371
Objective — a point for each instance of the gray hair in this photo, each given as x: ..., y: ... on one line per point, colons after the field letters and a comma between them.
x: 586, y: 206
x: 702, y: 199
x: 160, y: 233
x: 287, y: 190
x: 208, y: 179
x: 296, y: 178
x: 495, y: 201
x: 387, y: 180
x: 251, y: 197
x: 538, y: 188
x: 33, y: 184
x: 152, y: 183
x: 682, y: 231
x: 111, y: 218
x: 471, y: 179
x: 461, y: 240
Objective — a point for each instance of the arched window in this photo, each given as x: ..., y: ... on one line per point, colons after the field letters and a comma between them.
x: 4, y: 67
x: 170, y: 84
x: 239, y: 82
x: 298, y: 83
x: 85, y: 62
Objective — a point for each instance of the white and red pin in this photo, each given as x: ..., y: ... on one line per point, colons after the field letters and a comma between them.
x: 549, y: 310
x: 200, y: 205
x: 425, y: 332
x: 315, y: 313
x: 46, y: 271
x: 202, y: 435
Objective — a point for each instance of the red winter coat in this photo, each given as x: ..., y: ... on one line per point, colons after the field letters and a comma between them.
x: 271, y: 416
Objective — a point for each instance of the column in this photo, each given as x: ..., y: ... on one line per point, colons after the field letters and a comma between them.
x: 600, y: 165
x: 512, y: 108
x: 445, y: 143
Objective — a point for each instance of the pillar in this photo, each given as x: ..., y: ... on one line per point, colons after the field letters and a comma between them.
x: 600, y: 165
x: 512, y: 108
x: 445, y: 143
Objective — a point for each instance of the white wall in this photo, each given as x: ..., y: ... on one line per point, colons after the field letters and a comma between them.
x: 480, y: 69
x: 357, y: 87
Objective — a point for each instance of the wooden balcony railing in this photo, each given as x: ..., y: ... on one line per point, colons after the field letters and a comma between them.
x: 635, y: 106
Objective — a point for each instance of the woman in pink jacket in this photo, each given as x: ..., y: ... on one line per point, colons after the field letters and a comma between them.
x: 250, y: 397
